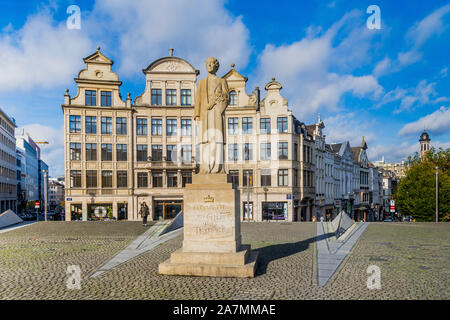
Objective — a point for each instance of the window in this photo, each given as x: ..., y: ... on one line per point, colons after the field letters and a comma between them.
x: 282, y: 150
x: 75, y: 124
x: 105, y: 98
x: 156, y: 97
x: 121, y: 125
x: 295, y: 178
x: 141, y: 127
x: 248, y: 176
x: 265, y: 125
x: 106, y: 125
x: 91, y: 98
x: 233, y: 152
x: 75, y: 151
x: 106, y: 179
x: 233, y: 98
x: 91, y: 124
x: 171, y: 127
x: 233, y: 177
x: 185, y: 97
x: 157, y: 179
x: 172, y: 179
x: 282, y: 177
x: 171, y: 153
x: 156, y: 152
x: 91, y: 179
x: 266, y: 178
x: 186, y: 125
x: 91, y: 152
x: 141, y: 152
x: 295, y: 155
x: 106, y: 152
x: 282, y: 124
x: 156, y: 127
x: 75, y: 178
x: 233, y: 125
x: 122, y: 181
x: 247, y: 125
x: 121, y: 152
x: 171, y: 97
x: 248, y: 151
x: 186, y: 177
x: 142, y: 180
x: 186, y: 153
x: 265, y: 151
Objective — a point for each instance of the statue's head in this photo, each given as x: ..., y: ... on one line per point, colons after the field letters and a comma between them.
x: 212, y: 65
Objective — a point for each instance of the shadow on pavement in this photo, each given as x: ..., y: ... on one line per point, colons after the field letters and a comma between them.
x: 277, y: 251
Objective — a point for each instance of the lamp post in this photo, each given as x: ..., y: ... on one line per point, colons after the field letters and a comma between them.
x: 437, y: 194
x: 45, y: 193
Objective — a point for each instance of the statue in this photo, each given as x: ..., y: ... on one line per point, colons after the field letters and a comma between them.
x: 211, y: 100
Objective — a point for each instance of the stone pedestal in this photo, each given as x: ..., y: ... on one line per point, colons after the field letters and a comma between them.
x: 212, y: 234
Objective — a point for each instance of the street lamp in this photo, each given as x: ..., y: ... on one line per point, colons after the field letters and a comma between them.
x: 437, y: 194
x: 45, y: 193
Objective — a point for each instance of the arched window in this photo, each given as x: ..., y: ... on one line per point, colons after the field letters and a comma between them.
x: 233, y: 98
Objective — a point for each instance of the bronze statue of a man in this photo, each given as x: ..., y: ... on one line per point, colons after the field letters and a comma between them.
x: 211, y: 100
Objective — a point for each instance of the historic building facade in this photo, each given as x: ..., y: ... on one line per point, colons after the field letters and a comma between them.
x: 8, y: 173
x: 119, y: 154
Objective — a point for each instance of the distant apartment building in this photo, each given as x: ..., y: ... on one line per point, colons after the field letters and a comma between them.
x: 8, y: 165
x: 55, y: 194
x: 29, y: 166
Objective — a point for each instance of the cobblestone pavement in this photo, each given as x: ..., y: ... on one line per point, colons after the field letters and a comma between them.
x: 413, y: 258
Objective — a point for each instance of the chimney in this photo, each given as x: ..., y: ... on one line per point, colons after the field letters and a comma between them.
x: 171, y: 52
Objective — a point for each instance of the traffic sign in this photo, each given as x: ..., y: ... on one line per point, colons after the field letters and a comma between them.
x: 36, y: 204
x: 392, y: 203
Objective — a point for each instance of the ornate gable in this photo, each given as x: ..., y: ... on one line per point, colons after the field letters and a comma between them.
x: 98, y: 58
x: 171, y: 65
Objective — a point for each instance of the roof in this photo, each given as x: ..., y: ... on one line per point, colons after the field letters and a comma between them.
x: 356, y: 152
x: 336, y: 147
x: 310, y: 129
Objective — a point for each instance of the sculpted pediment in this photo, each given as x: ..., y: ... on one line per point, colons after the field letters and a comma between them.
x: 171, y: 65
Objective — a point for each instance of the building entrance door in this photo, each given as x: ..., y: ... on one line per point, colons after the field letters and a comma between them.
x: 167, y: 209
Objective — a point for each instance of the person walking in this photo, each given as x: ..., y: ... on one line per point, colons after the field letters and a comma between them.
x: 144, y: 213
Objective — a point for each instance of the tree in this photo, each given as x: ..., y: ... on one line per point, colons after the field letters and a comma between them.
x: 416, y: 192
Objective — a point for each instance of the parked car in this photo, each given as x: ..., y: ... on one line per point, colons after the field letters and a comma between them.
x: 388, y: 220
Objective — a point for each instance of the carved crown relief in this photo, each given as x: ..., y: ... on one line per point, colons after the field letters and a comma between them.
x: 172, y: 66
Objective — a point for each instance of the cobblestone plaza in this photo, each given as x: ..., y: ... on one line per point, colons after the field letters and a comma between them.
x: 413, y: 259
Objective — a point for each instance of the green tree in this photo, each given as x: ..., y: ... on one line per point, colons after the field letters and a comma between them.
x: 416, y: 192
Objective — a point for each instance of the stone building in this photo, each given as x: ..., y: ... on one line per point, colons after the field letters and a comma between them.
x: 55, y: 194
x: 119, y: 154
x: 8, y: 169
x: 424, y: 143
x: 361, y: 188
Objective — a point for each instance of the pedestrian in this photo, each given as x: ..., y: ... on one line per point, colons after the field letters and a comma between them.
x: 144, y: 213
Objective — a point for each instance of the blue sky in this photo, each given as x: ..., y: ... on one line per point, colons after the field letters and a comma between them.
x: 386, y: 84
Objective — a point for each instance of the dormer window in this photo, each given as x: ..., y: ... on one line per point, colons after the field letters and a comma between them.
x: 106, y: 98
x: 233, y: 98
x: 91, y: 97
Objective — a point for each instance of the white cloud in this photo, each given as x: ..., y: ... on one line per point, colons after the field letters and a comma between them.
x: 144, y: 30
x: 417, y: 36
x: 392, y: 153
x: 437, y: 122
x: 315, y: 70
x: 41, y: 54
x: 349, y: 127
x: 52, y: 153
x: 424, y: 93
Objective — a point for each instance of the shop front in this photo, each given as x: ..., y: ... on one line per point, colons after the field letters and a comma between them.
x: 167, y: 209
x: 76, y: 212
x: 99, y: 211
x: 274, y: 210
